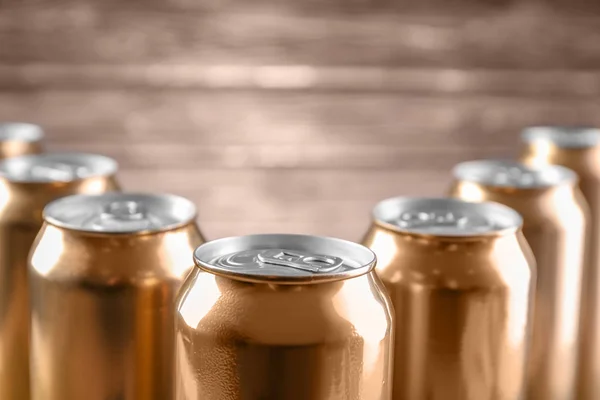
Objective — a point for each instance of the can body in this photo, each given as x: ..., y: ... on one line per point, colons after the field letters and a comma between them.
x: 240, y: 340
x: 585, y: 160
x: 102, y: 312
x: 21, y: 205
x: 462, y: 306
x: 555, y: 220
x: 18, y: 139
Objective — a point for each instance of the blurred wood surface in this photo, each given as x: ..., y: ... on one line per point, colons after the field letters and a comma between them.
x: 296, y: 116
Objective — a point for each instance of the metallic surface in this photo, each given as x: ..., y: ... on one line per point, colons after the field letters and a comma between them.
x: 102, y: 311
x: 462, y: 303
x: 585, y: 160
x: 555, y: 218
x: 120, y: 212
x: 283, y: 336
x: 21, y: 205
x: 18, y: 138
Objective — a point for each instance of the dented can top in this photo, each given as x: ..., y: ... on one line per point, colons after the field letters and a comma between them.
x: 513, y: 174
x: 567, y: 137
x: 446, y: 216
x: 20, y: 132
x: 120, y: 212
x: 285, y: 258
x: 56, y: 167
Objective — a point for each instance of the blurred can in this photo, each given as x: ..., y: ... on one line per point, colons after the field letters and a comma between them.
x: 555, y: 216
x: 578, y: 148
x: 104, y: 272
x: 27, y: 184
x: 460, y: 276
x: 19, y: 138
x: 289, y: 317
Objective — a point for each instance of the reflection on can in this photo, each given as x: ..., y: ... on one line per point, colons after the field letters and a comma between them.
x: 19, y: 139
x: 555, y: 216
x: 27, y: 184
x: 283, y: 317
x: 460, y: 276
x: 104, y: 273
x: 578, y: 148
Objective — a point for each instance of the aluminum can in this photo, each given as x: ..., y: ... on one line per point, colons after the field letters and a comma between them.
x: 19, y: 138
x: 460, y: 276
x: 578, y: 148
x: 27, y: 184
x: 289, y: 317
x: 104, y: 272
x: 555, y: 216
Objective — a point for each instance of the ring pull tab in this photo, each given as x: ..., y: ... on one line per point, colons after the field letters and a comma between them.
x: 123, y: 215
x: 311, y: 263
x: 516, y: 175
x: 440, y: 219
x: 57, y: 171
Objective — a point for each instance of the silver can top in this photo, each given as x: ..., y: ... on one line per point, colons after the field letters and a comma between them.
x: 56, y: 167
x: 567, y: 137
x: 445, y: 216
x: 284, y: 258
x: 120, y: 212
x: 20, y: 132
x: 513, y: 174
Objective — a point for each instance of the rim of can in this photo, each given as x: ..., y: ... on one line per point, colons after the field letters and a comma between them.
x: 12, y: 131
x: 87, y: 213
x: 495, y: 218
x: 15, y: 169
x: 285, y: 258
x: 567, y: 137
x: 514, y: 174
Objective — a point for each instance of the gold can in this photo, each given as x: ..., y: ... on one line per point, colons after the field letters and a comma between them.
x: 555, y: 217
x: 461, y: 278
x: 19, y: 138
x: 104, y: 272
x: 289, y: 317
x: 578, y: 148
x: 27, y: 184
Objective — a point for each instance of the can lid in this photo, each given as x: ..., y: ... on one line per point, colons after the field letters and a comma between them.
x: 513, y: 174
x: 120, y: 212
x: 446, y: 216
x: 568, y: 137
x: 56, y: 167
x: 285, y: 258
x: 20, y: 132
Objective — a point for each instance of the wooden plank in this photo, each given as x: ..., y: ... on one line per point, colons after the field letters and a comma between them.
x: 512, y: 36
x: 182, y: 123
x: 438, y: 81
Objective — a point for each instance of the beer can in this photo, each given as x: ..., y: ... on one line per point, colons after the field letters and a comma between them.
x: 289, y: 317
x: 27, y: 184
x: 578, y: 148
x: 104, y: 272
x: 460, y: 276
x: 19, y: 138
x: 555, y: 217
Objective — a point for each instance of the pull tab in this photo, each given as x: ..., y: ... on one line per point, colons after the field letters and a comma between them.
x: 123, y: 215
x: 439, y: 220
x: 311, y: 263
x: 56, y: 171
x: 516, y: 175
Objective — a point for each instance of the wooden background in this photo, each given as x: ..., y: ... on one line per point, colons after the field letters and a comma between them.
x: 296, y: 115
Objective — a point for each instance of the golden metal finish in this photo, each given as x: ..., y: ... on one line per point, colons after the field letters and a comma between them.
x: 462, y: 305
x: 21, y: 205
x: 102, y: 312
x: 12, y: 148
x: 241, y: 340
x: 586, y: 162
x: 555, y: 220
